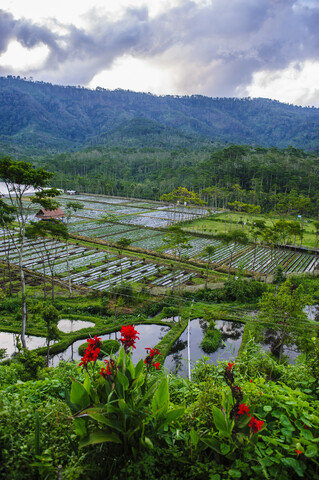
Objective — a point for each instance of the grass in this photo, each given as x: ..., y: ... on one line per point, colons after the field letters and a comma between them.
x: 222, y: 222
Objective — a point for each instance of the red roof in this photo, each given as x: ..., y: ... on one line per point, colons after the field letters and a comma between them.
x: 50, y: 213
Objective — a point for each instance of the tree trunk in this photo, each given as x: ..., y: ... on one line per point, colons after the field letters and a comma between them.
x: 23, y: 304
x: 68, y: 268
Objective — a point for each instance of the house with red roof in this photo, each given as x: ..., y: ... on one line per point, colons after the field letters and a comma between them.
x: 46, y: 215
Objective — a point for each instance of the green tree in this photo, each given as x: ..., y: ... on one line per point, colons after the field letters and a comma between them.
x: 51, y: 317
x: 53, y: 230
x: 176, y: 240
x: 282, y: 311
x: 71, y: 208
x: 6, y: 220
x: 19, y: 177
x: 234, y: 238
x: 209, y: 250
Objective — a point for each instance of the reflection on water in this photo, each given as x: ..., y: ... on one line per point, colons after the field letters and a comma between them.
x: 232, y: 333
x: 312, y: 312
x: 9, y: 342
x: 149, y: 335
x: 68, y: 326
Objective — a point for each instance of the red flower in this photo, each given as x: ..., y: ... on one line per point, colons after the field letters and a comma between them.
x: 95, y: 341
x: 251, y: 381
x: 92, y: 352
x: 243, y: 408
x: 157, y: 365
x: 129, y: 336
x: 229, y: 366
x: 255, y: 424
x: 152, y: 352
x: 109, y: 368
x: 298, y: 452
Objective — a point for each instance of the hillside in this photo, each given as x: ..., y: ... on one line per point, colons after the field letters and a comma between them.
x: 37, y: 116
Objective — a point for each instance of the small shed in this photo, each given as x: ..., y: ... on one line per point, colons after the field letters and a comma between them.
x: 50, y: 214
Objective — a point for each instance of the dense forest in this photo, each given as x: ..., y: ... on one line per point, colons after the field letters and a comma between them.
x: 38, y: 116
x: 258, y: 174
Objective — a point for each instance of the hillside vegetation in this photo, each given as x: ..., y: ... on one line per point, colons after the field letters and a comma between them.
x: 41, y: 116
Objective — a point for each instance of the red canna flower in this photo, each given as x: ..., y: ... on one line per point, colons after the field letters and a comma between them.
x: 129, y: 336
x: 229, y: 366
x: 92, y: 352
x: 255, y: 424
x: 251, y: 381
x: 151, y: 352
x: 109, y: 368
x: 95, y: 341
x: 298, y: 452
x: 242, y: 409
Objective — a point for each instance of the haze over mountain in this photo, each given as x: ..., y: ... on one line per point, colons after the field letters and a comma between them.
x: 40, y: 116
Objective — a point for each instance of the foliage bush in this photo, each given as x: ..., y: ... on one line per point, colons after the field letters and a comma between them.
x: 212, y: 338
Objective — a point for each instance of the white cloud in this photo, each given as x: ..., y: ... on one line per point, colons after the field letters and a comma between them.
x: 298, y: 84
x: 134, y: 74
x: 18, y: 57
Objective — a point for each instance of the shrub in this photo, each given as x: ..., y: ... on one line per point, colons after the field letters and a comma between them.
x: 212, y: 338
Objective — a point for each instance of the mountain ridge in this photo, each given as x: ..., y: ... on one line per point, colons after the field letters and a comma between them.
x: 42, y: 116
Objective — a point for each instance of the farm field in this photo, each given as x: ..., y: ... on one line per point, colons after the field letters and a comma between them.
x: 225, y: 221
x: 136, y: 228
x: 96, y: 269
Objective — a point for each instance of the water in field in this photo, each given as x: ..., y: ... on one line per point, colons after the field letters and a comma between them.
x: 149, y: 335
x: 177, y: 361
x: 68, y: 326
x: 8, y: 341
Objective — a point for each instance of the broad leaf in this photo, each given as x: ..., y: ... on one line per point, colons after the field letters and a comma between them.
x: 99, y: 437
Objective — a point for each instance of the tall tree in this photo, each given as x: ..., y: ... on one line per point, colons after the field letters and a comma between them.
x: 282, y: 311
x: 7, y: 215
x: 70, y: 208
x: 209, y: 250
x: 19, y: 177
x: 51, y: 230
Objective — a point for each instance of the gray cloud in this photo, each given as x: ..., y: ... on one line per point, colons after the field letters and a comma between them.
x: 213, y: 49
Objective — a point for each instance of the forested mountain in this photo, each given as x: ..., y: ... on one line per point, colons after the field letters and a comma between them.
x: 37, y: 116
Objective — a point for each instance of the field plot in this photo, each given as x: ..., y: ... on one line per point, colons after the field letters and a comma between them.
x: 146, y: 221
x: 93, y: 198
x: 88, y: 267
x: 265, y: 260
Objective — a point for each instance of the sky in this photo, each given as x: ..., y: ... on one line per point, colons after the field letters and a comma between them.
x: 217, y: 48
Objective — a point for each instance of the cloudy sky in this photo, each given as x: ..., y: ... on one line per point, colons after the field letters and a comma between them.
x: 218, y: 48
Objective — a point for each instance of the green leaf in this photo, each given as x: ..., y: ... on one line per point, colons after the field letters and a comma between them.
x: 224, y: 448
x: 139, y: 367
x: 267, y: 408
x: 148, y: 442
x: 79, y: 396
x: 160, y: 399
x: 234, y: 473
x: 212, y: 443
x: 194, y: 437
x: 299, y: 467
x: 99, y: 437
x: 80, y: 427
x: 311, y: 451
x: 221, y: 423
x: 123, y: 380
x: 174, y: 414
x: 284, y: 420
x: 99, y: 417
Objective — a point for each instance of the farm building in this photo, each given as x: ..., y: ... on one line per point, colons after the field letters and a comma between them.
x: 50, y: 214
